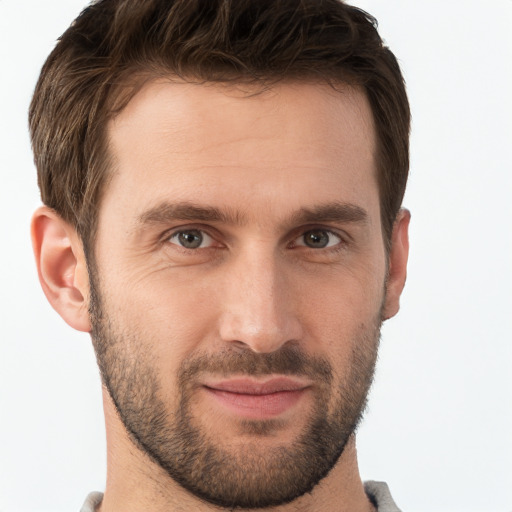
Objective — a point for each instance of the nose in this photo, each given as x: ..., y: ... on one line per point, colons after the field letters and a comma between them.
x: 259, y: 306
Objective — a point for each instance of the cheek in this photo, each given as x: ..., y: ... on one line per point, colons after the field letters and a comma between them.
x: 170, y: 318
x: 342, y: 316
x: 343, y: 300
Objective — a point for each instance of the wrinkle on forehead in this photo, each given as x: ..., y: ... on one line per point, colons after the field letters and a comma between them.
x: 187, y: 112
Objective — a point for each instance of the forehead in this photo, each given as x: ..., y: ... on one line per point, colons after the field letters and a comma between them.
x: 237, y: 144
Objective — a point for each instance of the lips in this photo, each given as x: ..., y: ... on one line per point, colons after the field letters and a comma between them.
x: 256, y: 399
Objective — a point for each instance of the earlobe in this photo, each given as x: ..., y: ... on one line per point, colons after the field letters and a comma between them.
x: 398, y: 256
x: 61, y: 267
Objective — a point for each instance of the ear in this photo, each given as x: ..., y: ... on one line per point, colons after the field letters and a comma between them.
x: 61, y: 267
x: 398, y: 256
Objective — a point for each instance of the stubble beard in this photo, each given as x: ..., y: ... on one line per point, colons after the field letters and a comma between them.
x: 246, y: 475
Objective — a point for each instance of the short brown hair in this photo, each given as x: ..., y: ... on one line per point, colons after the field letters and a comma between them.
x: 262, y: 41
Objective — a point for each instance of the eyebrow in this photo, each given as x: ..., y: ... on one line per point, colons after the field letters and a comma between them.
x: 167, y: 212
x: 331, y: 212
x: 186, y: 211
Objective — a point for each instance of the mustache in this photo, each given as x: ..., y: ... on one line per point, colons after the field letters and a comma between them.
x: 286, y: 361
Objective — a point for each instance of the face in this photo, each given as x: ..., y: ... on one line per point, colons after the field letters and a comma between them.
x: 239, y: 283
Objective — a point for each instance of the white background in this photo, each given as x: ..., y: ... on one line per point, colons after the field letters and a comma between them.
x: 439, y: 426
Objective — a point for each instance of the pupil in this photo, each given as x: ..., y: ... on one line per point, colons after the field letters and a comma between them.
x: 191, y: 239
x: 316, y: 239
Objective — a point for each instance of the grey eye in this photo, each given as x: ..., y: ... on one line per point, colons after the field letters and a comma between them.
x: 318, y: 239
x: 191, y: 239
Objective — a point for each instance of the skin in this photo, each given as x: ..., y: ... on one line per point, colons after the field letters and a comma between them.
x: 260, y: 160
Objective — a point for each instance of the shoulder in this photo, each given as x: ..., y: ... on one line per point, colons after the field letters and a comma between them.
x: 379, y: 495
x: 92, y: 501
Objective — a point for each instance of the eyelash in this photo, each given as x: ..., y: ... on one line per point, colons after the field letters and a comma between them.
x: 292, y: 245
x: 330, y: 234
x: 176, y: 234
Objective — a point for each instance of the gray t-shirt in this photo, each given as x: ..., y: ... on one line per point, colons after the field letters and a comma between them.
x: 379, y: 495
x: 378, y: 492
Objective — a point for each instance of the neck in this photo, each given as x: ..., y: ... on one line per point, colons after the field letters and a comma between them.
x: 135, y: 483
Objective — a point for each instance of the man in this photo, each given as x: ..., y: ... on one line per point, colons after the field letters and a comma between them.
x: 222, y: 184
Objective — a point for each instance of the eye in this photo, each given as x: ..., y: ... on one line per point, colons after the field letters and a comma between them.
x: 318, y: 239
x: 191, y: 239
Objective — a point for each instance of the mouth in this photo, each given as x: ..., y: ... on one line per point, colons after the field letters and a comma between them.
x: 258, y: 399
